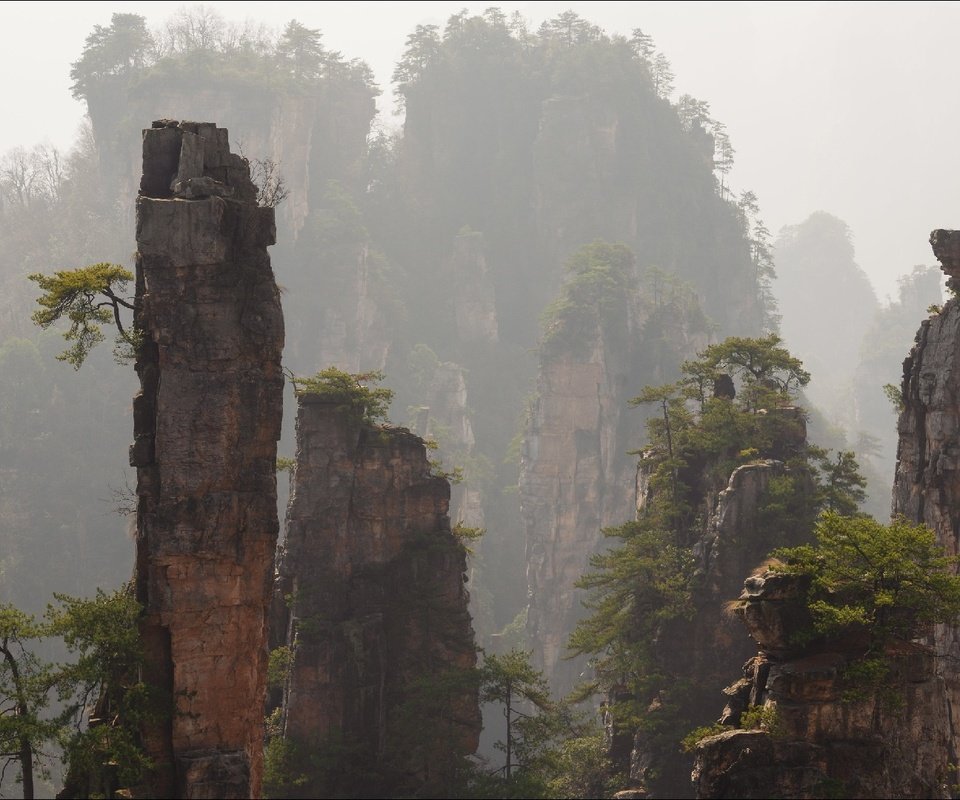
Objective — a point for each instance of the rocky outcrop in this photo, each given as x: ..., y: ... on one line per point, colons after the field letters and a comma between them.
x: 927, y: 484
x: 817, y: 734
x: 311, y: 136
x: 370, y: 593
x: 698, y: 651
x: 206, y: 424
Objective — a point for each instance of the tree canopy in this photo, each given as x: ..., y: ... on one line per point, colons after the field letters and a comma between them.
x: 887, y: 581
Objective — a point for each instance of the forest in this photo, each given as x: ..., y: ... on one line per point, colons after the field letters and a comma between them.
x: 527, y: 462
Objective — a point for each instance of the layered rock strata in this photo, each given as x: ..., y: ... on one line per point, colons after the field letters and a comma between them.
x: 927, y: 484
x: 206, y: 424
x: 575, y: 479
x: 370, y: 593
x: 820, y: 736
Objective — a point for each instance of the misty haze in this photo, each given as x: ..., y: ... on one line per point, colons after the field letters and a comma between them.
x: 531, y: 401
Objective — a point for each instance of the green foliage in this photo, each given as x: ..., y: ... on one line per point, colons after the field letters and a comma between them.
x: 842, y: 487
x: 467, y: 535
x: 757, y: 361
x: 111, y: 52
x: 103, y: 636
x: 763, y: 717
x: 579, y: 767
x: 698, y: 432
x: 869, y: 677
x: 886, y: 582
x: 437, y: 470
x: 88, y: 298
x: 633, y: 590
x: 279, y: 666
x: 349, y: 391
x: 599, y: 278
x: 299, y: 51
x: 691, y: 740
x: 285, y: 464
x: 894, y: 394
x: 755, y: 718
x: 549, y: 749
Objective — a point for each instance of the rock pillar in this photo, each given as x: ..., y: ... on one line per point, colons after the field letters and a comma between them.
x: 206, y: 424
x: 927, y: 484
x: 370, y: 592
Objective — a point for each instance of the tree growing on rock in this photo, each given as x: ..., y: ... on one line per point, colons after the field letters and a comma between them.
x: 88, y: 297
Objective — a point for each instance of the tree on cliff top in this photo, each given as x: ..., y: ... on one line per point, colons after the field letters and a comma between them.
x: 115, y: 50
x: 300, y: 52
x: 350, y: 391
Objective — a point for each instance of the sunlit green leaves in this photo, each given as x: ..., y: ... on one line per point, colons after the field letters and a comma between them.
x: 87, y: 298
x: 889, y: 581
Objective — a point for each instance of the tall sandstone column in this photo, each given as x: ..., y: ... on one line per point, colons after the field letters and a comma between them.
x: 206, y: 424
x: 927, y: 484
x: 370, y: 598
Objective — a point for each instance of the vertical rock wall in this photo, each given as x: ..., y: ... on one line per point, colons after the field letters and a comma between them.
x: 206, y: 423
x: 927, y: 484
x: 370, y: 593
x: 575, y: 479
x: 698, y: 653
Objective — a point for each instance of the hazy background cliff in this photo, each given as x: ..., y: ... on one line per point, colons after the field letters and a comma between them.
x: 453, y: 219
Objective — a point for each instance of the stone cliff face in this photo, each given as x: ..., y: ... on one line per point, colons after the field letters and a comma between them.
x: 206, y: 423
x: 698, y: 652
x: 820, y: 739
x: 474, y: 301
x: 575, y: 479
x: 370, y: 596
x: 927, y: 483
x: 576, y: 476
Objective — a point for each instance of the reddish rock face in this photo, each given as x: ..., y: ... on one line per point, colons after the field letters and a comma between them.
x: 370, y: 592
x: 206, y: 423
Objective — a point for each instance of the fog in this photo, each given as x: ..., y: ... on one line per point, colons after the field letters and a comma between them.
x: 830, y: 106
x: 566, y: 280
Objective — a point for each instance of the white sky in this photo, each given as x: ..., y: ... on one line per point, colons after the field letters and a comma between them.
x: 851, y: 108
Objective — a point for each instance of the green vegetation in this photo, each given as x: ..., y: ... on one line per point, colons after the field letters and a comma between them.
x: 87, y: 297
x: 103, y: 636
x: 600, y: 279
x: 732, y: 405
x: 880, y: 582
x: 549, y: 749
x: 493, y: 144
x: 349, y: 391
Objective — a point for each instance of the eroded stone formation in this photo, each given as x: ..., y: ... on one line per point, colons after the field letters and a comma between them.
x: 575, y: 479
x: 206, y: 424
x: 370, y: 598
x: 698, y: 651
x: 927, y: 484
x: 826, y: 741
x: 821, y: 737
